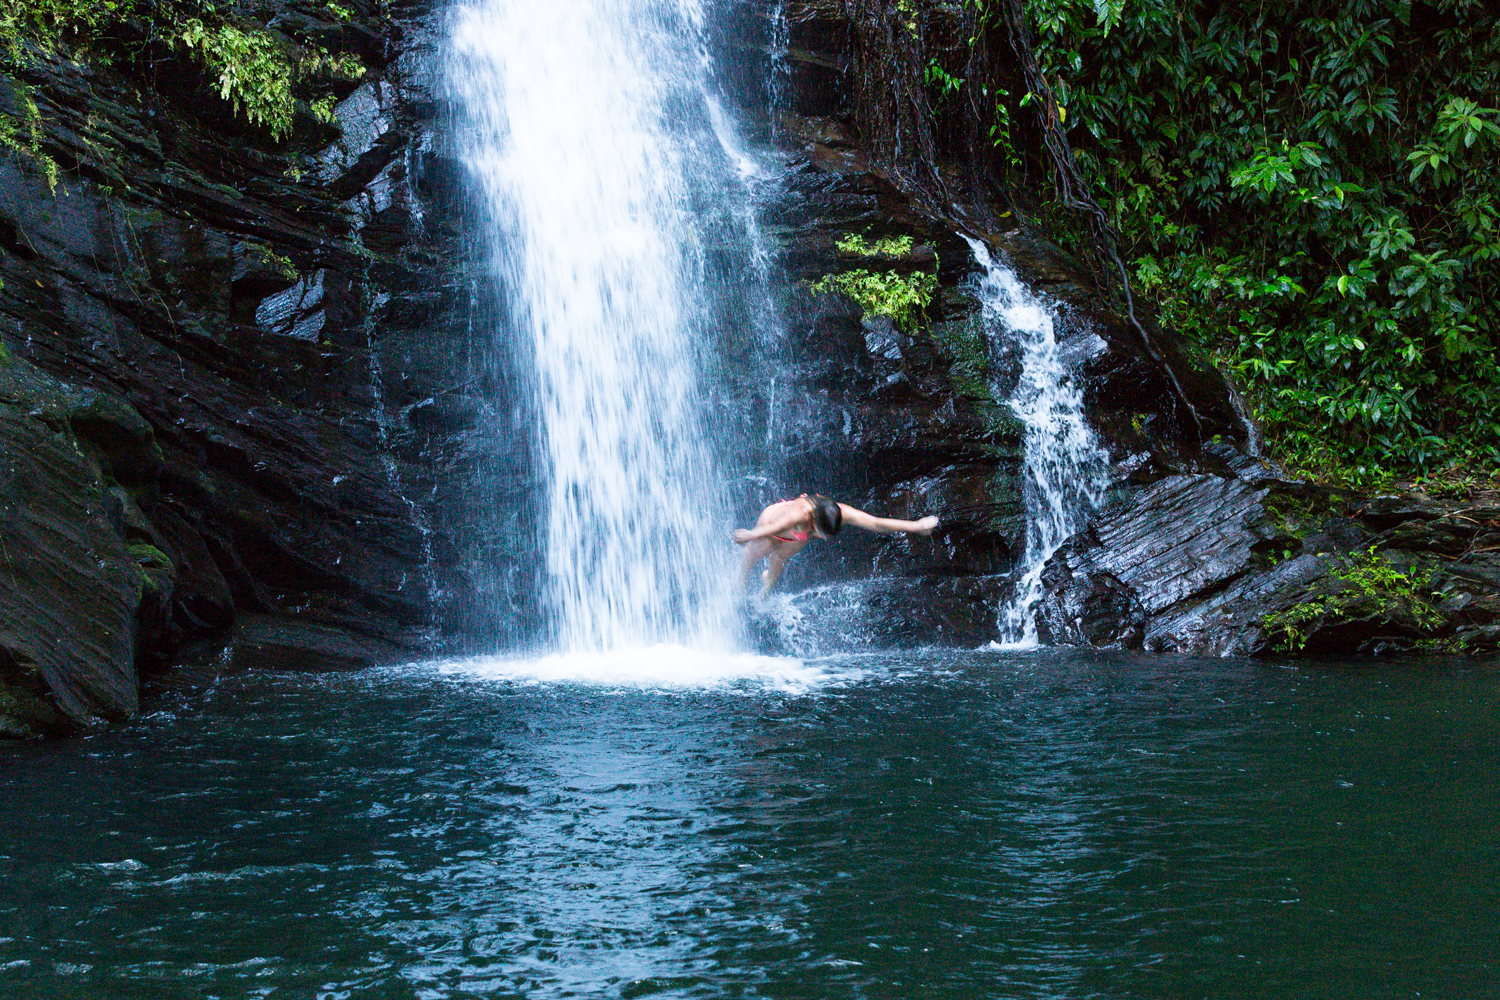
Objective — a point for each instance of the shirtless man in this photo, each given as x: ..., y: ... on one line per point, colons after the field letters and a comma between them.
x: 786, y: 526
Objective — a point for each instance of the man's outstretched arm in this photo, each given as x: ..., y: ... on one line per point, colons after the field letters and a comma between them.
x: 887, y: 525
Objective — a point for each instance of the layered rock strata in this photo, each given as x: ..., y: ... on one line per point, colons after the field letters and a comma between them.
x: 236, y: 375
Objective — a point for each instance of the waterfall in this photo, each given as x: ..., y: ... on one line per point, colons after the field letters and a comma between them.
x: 596, y: 145
x: 1066, y: 468
x: 779, y: 85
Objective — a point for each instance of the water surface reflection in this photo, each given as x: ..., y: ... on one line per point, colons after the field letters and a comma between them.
x: 977, y: 824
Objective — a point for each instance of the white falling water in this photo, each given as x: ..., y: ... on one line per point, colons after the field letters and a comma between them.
x: 1066, y: 468
x: 589, y: 128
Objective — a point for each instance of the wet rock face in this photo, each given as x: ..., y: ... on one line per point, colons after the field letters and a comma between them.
x: 1084, y: 604
x: 910, y: 421
x: 872, y: 413
x: 82, y: 583
x: 233, y: 331
x: 1206, y: 564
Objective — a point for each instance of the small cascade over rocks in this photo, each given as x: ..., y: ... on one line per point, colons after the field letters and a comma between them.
x: 606, y: 167
x: 1066, y: 468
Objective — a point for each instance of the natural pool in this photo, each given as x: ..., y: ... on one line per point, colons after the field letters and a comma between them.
x: 934, y: 824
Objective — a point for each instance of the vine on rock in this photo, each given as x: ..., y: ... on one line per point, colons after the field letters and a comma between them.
x: 1370, y: 587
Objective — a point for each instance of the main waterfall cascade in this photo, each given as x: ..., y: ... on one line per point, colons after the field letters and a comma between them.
x: 1065, y: 466
x: 603, y: 163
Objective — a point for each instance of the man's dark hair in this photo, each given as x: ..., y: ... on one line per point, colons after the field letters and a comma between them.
x: 827, y: 515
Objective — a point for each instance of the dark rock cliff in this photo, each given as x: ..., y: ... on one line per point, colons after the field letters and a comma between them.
x: 235, y: 378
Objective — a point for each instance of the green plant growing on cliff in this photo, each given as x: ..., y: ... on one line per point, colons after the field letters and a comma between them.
x: 322, y: 108
x: 904, y: 298
x: 256, y: 70
x: 906, y: 12
x: 890, y: 246
x: 1373, y: 586
x: 255, y: 73
x: 280, y: 263
x: 23, y: 135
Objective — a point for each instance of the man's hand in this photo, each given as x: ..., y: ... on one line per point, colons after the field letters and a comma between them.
x: 926, y: 525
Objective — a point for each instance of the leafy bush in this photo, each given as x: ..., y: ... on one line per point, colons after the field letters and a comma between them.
x: 890, y: 246
x: 902, y: 297
x: 255, y: 73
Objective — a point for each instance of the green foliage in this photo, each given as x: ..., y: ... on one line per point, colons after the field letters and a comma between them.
x: 906, y: 12
x: 23, y: 135
x: 255, y: 69
x: 902, y: 297
x: 255, y: 73
x: 1306, y: 190
x: 890, y: 246
x: 278, y: 262
x: 46, y: 22
x: 322, y: 108
x: 945, y: 83
x: 1371, y: 587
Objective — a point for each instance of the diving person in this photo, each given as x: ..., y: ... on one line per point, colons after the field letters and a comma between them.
x: 787, y: 525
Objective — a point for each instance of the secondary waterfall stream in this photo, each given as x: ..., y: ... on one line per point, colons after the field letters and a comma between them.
x: 597, y: 146
x: 1065, y: 465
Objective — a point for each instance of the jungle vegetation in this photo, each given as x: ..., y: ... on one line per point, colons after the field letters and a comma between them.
x: 1307, y: 192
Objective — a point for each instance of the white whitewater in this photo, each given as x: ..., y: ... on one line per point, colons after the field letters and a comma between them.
x: 1066, y: 468
x: 657, y: 668
x: 598, y: 147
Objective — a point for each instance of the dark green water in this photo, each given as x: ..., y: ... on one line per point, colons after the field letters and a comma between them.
x: 953, y: 825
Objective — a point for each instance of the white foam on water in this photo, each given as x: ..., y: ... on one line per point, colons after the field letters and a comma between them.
x: 662, y: 667
x: 1023, y: 645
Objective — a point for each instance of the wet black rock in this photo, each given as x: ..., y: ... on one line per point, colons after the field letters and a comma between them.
x: 1269, y: 567
x: 233, y: 372
x: 1084, y: 604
